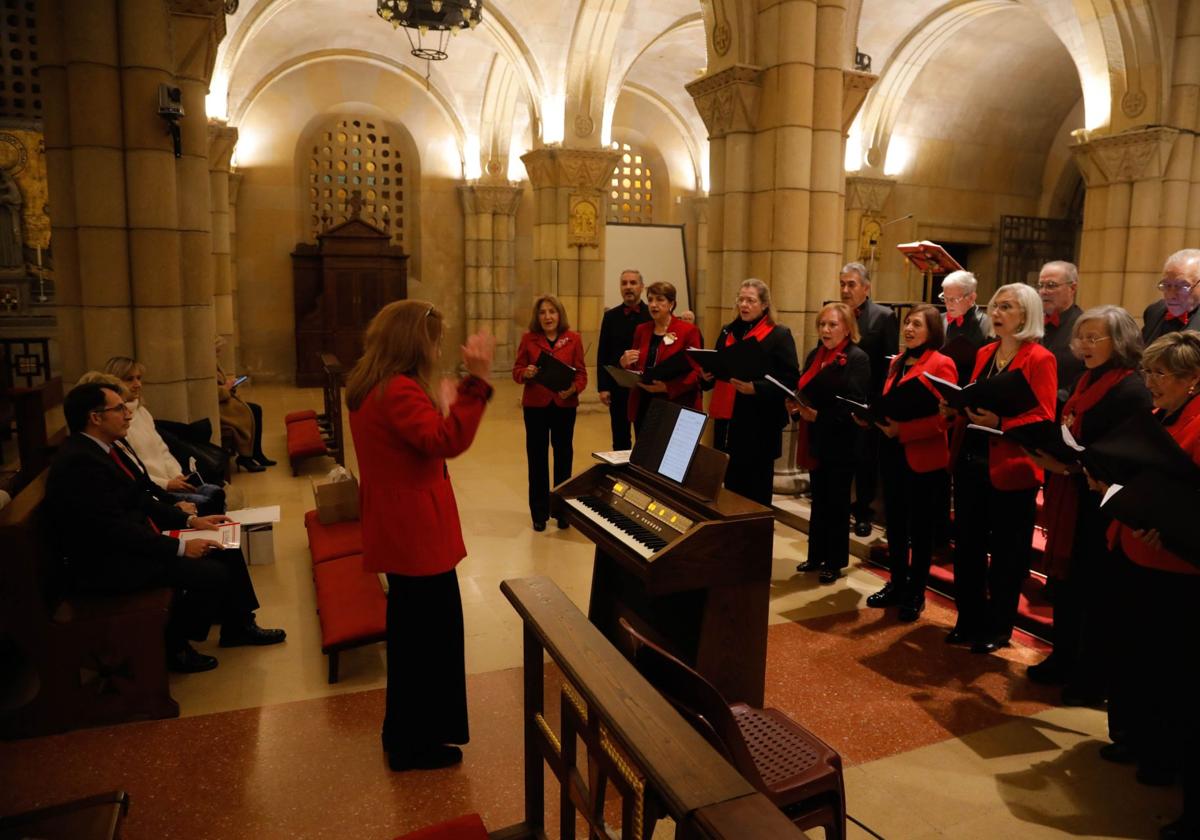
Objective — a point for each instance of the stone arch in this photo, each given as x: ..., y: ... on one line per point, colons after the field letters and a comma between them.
x: 589, y: 66
x: 1121, y: 36
x: 729, y: 30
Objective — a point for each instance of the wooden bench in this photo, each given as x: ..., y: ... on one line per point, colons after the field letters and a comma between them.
x: 658, y: 764
x: 85, y: 660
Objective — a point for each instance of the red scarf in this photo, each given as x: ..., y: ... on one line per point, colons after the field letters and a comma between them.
x: 824, y: 358
x: 1060, y: 500
x: 720, y: 407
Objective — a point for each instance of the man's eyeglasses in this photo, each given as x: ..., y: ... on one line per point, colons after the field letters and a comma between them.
x: 1168, y: 284
x: 953, y: 301
x: 1089, y: 340
x: 122, y: 408
x: 1051, y: 285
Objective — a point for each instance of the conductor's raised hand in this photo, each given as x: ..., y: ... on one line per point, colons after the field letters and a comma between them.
x: 477, y: 354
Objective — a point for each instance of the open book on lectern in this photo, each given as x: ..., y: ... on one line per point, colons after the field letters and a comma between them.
x: 929, y: 257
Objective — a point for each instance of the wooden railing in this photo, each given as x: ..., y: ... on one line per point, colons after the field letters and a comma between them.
x: 658, y: 764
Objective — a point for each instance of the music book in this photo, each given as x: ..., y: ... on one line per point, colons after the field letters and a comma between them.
x: 553, y: 374
x: 861, y: 410
x: 668, y: 369
x: 1168, y: 505
x: 821, y: 387
x: 962, y: 352
x: 1140, y: 443
x: 1046, y: 436
x: 624, y: 378
x: 929, y: 257
x: 1007, y: 394
x: 744, y: 360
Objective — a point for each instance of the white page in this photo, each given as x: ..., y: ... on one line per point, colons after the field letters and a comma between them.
x: 255, y: 516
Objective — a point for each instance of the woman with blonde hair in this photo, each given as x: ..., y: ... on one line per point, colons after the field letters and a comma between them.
x: 410, y: 524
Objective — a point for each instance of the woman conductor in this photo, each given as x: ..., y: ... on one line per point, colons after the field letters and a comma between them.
x: 750, y: 416
x: 912, y: 459
x: 836, y: 367
x: 410, y: 525
x: 995, y: 481
x: 548, y: 414
x: 654, y: 342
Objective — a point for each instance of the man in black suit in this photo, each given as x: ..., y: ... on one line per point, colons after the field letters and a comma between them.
x: 1057, y: 284
x: 1179, y: 308
x: 879, y: 338
x: 966, y: 324
x: 111, y: 531
x: 616, y: 336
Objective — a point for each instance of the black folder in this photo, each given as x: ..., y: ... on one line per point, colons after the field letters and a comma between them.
x: 961, y: 351
x: 624, y: 378
x: 1007, y: 394
x: 1169, y: 505
x: 1044, y: 436
x: 553, y: 374
x: 862, y: 411
x: 668, y: 369
x: 1140, y: 443
x: 821, y: 388
x: 909, y: 400
x: 744, y: 360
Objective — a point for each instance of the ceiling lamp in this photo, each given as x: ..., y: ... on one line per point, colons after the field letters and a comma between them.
x: 432, y: 21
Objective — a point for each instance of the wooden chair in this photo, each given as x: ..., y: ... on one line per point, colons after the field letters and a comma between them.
x: 796, y: 770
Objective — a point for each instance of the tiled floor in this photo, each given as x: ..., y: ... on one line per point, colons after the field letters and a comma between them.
x: 938, y: 743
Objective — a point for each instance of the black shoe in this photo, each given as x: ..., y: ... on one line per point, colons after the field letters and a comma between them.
x: 958, y: 636
x: 990, y: 644
x: 1050, y: 671
x: 1154, y: 775
x: 1119, y: 752
x: 188, y: 660
x: 809, y: 566
x: 886, y: 597
x: 245, y: 462
x: 829, y: 575
x: 263, y: 460
x: 1181, y: 829
x: 430, y: 758
x: 862, y: 528
x: 250, y: 633
x: 563, y: 523
x: 1075, y: 695
x: 539, y: 526
x: 912, y: 607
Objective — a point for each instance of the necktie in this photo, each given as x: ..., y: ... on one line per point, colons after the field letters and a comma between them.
x: 112, y: 453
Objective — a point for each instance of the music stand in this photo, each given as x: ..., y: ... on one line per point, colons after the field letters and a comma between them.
x: 929, y: 258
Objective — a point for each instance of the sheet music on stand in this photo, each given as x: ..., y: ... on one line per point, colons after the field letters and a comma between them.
x: 929, y: 258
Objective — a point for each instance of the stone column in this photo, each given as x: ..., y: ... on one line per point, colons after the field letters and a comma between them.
x: 221, y: 140
x: 234, y: 184
x: 489, y: 212
x: 569, y: 187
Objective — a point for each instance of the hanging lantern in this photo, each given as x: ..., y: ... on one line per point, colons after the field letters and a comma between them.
x: 429, y: 23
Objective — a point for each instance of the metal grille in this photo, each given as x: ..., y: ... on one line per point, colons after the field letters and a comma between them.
x: 631, y: 188
x: 26, y: 362
x: 355, y: 154
x: 1027, y: 242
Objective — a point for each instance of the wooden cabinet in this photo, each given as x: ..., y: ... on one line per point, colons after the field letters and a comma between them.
x: 339, y: 285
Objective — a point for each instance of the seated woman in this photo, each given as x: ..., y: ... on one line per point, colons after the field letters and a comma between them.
x: 913, y: 456
x: 654, y: 342
x: 1078, y: 562
x: 549, y: 415
x: 843, y: 370
x: 1151, y: 715
x: 243, y: 420
x: 160, y: 464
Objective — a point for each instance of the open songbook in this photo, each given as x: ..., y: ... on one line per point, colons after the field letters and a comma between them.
x: 929, y: 257
x: 1007, y: 394
x: 907, y: 401
x: 553, y: 374
x: 1167, y: 505
x: 672, y: 368
x: 744, y: 360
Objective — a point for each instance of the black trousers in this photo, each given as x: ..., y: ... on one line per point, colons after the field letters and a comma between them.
x: 829, y: 522
x: 1153, y: 677
x: 752, y: 477
x: 991, y: 522
x: 208, y: 590
x: 1083, y: 631
x: 554, y: 427
x: 866, y: 471
x: 618, y: 418
x: 912, y: 515
x: 426, y: 703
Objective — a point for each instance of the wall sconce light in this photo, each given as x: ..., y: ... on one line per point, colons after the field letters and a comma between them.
x: 170, y: 108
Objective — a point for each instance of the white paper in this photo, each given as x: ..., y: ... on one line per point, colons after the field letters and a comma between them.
x: 938, y: 379
x: 1069, y: 439
x: 988, y: 429
x: 782, y: 387
x: 255, y: 516
x: 616, y: 456
x: 228, y: 535
x: 1113, y: 489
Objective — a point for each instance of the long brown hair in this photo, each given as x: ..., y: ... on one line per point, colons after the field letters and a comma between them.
x: 402, y: 339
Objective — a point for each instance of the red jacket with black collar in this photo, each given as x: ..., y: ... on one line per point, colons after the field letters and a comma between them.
x: 924, y: 439
x: 568, y: 350
x: 1008, y: 465
x: 685, y: 389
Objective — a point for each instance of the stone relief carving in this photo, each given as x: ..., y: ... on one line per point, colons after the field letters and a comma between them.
x: 583, y: 220
x: 11, y: 249
x: 1128, y: 156
x: 498, y: 200
x: 868, y: 194
x: 728, y: 100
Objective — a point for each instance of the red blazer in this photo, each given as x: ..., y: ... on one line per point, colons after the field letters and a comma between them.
x: 685, y: 389
x: 924, y: 440
x: 568, y: 350
x: 410, y: 520
x: 1008, y: 465
x: 1186, y: 432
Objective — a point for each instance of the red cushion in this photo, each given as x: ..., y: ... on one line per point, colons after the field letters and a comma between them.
x: 350, y: 603
x: 304, y: 439
x: 295, y: 416
x: 470, y: 827
x: 328, y: 542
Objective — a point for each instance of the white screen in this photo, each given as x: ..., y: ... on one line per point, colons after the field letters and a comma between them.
x: 684, y: 437
x: 654, y: 250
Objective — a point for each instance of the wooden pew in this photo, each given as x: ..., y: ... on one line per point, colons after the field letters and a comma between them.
x: 659, y: 765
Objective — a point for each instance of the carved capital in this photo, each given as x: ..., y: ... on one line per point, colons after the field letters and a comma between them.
x: 221, y: 140
x: 197, y: 29
x: 869, y: 194
x: 484, y: 198
x: 728, y: 99
x: 1129, y: 156
x: 855, y: 87
x: 578, y: 169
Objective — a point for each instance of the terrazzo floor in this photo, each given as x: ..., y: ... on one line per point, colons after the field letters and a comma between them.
x: 937, y: 742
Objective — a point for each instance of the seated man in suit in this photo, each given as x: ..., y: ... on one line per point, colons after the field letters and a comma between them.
x: 110, y: 529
